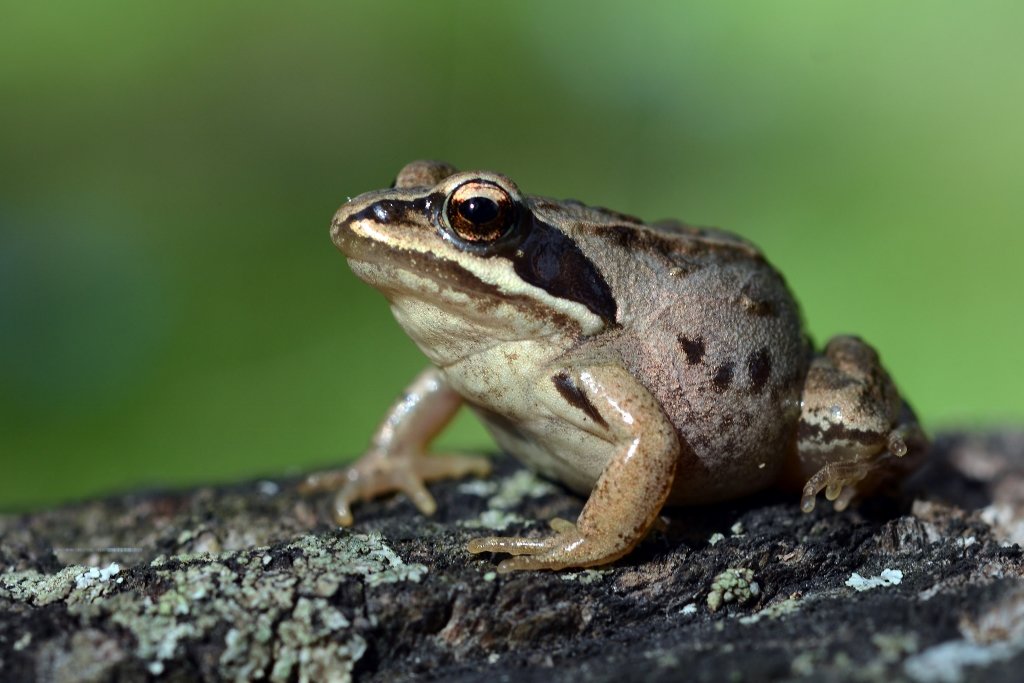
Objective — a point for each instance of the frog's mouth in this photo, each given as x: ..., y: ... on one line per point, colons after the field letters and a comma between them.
x: 422, y: 275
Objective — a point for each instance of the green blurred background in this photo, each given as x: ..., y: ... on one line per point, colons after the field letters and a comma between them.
x: 172, y: 311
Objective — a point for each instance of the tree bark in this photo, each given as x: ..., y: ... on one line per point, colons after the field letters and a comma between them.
x: 250, y: 582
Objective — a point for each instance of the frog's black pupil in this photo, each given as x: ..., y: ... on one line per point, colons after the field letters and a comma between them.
x: 479, y: 210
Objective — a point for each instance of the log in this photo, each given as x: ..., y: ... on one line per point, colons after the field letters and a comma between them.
x: 250, y: 582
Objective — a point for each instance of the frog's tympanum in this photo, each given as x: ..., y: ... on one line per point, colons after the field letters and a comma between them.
x: 639, y: 364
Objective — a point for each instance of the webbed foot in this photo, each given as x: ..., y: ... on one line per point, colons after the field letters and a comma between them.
x: 855, y: 432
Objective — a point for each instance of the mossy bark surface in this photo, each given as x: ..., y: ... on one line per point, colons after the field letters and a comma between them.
x: 250, y: 582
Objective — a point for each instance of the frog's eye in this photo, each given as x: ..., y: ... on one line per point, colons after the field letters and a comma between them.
x: 480, y: 212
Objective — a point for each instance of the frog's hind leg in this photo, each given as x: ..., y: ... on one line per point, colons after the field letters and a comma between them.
x: 629, y: 493
x: 855, y: 433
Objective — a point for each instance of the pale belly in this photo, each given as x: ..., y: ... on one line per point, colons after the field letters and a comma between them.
x: 569, y: 456
x: 576, y: 459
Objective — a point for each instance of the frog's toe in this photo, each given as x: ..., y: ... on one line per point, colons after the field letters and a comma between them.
x: 839, y: 481
x: 329, y: 480
x: 377, y: 474
x: 512, y: 545
x: 519, y: 545
x: 842, y: 501
x: 362, y: 484
x: 351, y: 483
x: 568, y: 548
x: 368, y: 486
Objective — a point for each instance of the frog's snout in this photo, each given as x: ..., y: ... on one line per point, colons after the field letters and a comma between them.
x: 353, y: 222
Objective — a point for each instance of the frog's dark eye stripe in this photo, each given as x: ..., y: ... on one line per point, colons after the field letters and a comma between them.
x: 480, y: 212
x: 550, y: 259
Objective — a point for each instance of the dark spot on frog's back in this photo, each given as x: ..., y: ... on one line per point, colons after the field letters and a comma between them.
x: 759, y: 368
x: 575, y: 397
x: 672, y: 239
x: 693, y: 348
x: 632, y: 238
x: 759, y: 308
x: 723, y: 376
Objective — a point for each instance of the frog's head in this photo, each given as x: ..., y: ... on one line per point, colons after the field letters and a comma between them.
x: 455, y: 252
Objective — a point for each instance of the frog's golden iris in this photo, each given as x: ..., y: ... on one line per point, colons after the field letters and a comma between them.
x: 480, y: 212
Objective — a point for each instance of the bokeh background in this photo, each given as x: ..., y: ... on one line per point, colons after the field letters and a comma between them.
x: 172, y: 311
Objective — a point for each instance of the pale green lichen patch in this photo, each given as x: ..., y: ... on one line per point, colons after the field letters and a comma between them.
x: 994, y: 636
x: 505, y: 495
x: 282, y: 625
x: 518, y: 487
x: 773, y: 611
x: 663, y: 659
x: 586, y: 576
x: 35, y: 588
x: 894, y: 646
x: 803, y: 664
x: 369, y: 557
x: 478, y: 487
x: 951, y: 661
x: 735, y: 584
x: 496, y: 520
x: 88, y: 655
x: 304, y: 644
x: 23, y: 642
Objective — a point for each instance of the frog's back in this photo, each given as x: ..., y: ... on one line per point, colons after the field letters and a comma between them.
x: 712, y: 330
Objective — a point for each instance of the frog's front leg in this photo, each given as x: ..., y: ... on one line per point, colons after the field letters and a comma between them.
x: 397, y: 458
x: 855, y: 432
x: 608, y: 402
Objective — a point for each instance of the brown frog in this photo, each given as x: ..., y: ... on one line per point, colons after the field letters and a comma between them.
x: 639, y: 364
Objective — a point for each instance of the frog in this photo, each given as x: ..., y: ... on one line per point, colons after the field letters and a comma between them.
x: 641, y: 365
